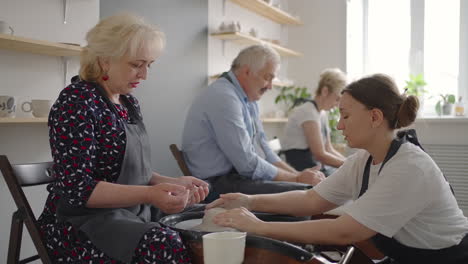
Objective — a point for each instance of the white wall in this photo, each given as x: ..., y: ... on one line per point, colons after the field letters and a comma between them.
x: 37, y: 77
x: 322, y: 40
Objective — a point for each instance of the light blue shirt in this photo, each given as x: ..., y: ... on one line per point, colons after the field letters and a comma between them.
x: 220, y: 133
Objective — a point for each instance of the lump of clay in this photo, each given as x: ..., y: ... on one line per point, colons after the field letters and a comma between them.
x: 207, y: 224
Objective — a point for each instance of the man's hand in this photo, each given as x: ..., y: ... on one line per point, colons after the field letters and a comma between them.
x: 310, y: 176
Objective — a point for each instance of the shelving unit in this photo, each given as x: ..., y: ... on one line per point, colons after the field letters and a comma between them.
x: 23, y: 120
x: 42, y: 47
x: 275, y: 83
x: 244, y: 39
x: 273, y: 13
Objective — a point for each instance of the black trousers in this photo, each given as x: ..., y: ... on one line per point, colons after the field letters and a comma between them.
x: 301, y: 159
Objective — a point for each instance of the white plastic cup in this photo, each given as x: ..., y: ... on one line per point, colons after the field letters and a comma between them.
x: 224, y: 247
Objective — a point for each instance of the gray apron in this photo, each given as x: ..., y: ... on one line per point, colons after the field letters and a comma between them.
x: 233, y: 182
x: 117, y: 231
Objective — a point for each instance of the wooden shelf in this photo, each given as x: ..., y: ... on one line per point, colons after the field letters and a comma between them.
x: 245, y: 39
x: 38, y: 46
x: 23, y: 120
x: 275, y: 83
x: 262, y: 8
x: 274, y: 120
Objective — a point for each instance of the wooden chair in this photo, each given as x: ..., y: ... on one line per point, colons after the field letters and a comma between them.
x: 17, y: 177
x: 179, y: 156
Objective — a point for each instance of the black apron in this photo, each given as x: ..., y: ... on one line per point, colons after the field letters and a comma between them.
x: 233, y: 182
x: 117, y: 231
x: 402, y: 254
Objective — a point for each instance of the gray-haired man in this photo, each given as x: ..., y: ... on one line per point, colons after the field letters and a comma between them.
x: 223, y: 140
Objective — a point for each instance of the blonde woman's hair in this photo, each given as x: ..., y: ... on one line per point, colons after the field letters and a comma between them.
x: 115, y: 37
x: 334, y: 79
x: 256, y: 57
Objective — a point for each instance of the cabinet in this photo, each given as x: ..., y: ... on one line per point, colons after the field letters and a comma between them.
x: 34, y: 46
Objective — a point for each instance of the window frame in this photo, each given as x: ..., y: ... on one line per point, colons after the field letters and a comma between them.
x: 416, y: 56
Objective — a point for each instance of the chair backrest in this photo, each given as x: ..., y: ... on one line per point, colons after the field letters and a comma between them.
x: 17, y: 176
x: 179, y: 156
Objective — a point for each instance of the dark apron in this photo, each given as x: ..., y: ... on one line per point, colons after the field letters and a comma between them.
x: 117, y: 231
x: 403, y: 254
x: 233, y: 182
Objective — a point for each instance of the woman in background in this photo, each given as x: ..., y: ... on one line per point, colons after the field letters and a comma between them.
x: 306, y: 142
x: 98, y: 209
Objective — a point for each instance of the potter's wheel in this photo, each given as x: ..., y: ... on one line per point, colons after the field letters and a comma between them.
x: 188, y: 224
x: 183, y: 223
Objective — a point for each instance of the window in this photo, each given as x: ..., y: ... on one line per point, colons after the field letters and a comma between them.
x: 403, y: 37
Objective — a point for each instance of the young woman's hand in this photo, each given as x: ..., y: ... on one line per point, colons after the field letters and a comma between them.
x: 170, y: 198
x: 232, y: 200
x: 240, y: 219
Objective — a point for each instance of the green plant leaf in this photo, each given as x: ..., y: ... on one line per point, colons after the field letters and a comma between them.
x: 438, y: 108
x: 277, y: 99
x: 451, y: 98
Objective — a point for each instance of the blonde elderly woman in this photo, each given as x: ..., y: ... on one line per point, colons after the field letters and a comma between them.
x: 306, y: 141
x: 98, y: 209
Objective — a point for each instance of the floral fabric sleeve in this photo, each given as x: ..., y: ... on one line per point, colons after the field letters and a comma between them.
x: 73, y: 143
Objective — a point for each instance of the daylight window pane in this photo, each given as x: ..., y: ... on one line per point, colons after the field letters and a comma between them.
x: 441, y: 48
x: 389, y: 29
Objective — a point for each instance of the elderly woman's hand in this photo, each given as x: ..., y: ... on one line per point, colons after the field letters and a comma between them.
x: 198, y: 188
x: 170, y: 198
x: 240, y: 219
x: 232, y: 200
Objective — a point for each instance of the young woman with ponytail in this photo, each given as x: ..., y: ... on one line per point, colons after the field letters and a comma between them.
x: 401, y: 199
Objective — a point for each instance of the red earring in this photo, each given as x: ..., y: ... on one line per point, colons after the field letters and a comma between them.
x: 105, y: 77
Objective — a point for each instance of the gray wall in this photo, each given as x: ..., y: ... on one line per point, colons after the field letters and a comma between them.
x: 177, y: 77
x: 322, y: 39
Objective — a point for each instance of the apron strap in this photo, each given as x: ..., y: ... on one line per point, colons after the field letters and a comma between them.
x: 402, y: 137
x: 132, y: 111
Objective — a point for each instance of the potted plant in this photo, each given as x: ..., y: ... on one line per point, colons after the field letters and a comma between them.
x: 333, y: 117
x: 415, y: 85
x: 291, y: 96
x: 445, y: 105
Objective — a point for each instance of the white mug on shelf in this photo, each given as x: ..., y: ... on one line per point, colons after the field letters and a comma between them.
x: 7, y: 106
x: 5, y: 28
x: 39, y: 108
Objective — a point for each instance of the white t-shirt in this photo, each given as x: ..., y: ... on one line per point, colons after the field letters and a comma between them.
x: 409, y: 200
x: 294, y: 137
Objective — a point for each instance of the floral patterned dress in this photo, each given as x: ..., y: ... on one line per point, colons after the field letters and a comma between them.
x: 88, y: 145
